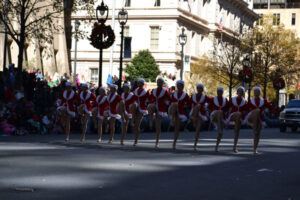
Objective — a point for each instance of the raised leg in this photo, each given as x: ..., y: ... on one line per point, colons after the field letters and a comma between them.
x: 195, y: 114
x: 133, y: 110
x: 173, y: 113
x: 151, y: 110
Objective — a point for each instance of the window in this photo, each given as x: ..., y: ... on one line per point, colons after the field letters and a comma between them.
x: 154, y: 37
x: 94, y: 76
x: 126, y: 31
x: 127, y: 3
x: 276, y: 19
x: 293, y: 19
x: 157, y: 3
x: 260, y: 20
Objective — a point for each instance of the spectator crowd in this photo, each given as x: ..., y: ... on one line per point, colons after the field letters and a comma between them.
x: 31, y: 108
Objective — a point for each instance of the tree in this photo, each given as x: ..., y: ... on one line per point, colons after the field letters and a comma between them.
x: 227, y: 53
x: 206, y: 72
x: 37, y: 20
x: 273, y: 48
x: 143, y: 65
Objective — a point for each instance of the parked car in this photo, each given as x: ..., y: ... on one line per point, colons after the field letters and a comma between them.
x: 290, y: 116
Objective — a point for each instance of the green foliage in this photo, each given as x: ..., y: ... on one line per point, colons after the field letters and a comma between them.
x: 143, y: 65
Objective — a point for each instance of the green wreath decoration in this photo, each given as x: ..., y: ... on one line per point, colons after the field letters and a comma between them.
x: 108, y: 36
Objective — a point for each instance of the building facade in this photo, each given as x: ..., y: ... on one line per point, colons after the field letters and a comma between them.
x: 287, y: 12
x: 156, y: 25
x: 152, y: 24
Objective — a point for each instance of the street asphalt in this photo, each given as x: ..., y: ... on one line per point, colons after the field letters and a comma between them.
x: 44, y: 167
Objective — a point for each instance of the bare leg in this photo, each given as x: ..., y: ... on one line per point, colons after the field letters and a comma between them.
x: 237, y: 120
x: 106, y: 125
x: 100, y: 122
x: 198, y: 127
x: 152, y: 110
x: 195, y: 114
x: 94, y: 114
x: 133, y: 109
x: 137, y: 125
x: 112, y: 129
x: 158, y: 129
x: 219, y: 117
x: 256, y: 129
x: 85, y: 121
x: 68, y: 120
x: 176, y: 131
x: 125, y: 127
x: 173, y: 113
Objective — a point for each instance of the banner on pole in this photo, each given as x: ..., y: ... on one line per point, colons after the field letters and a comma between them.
x: 127, y: 47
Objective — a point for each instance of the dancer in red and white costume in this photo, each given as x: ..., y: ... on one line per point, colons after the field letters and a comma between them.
x: 115, y: 111
x: 179, y: 100
x: 256, y: 107
x: 128, y: 99
x: 66, y: 107
x: 100, y: 111
x: 160, y: 97
x: 219, y: 105
x: 198, y: 112
x: 86, y: 105
x: 237, y: 109
x: 139, y: 109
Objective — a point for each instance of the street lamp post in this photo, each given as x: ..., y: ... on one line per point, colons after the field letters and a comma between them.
x: 246, y: 66
x: 77, y: 24
x: 182, y: 42
x: 5, y: 36
x: 122, y: 17
x: 101, y: 15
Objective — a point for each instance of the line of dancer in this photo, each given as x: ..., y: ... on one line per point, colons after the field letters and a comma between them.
x: 158, y: 103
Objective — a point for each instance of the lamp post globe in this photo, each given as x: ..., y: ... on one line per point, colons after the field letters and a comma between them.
x: 246, y: 62
x: 182, y: 37
x: 122, y: 18
x: 182, y: 41
x: 102, y: 13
